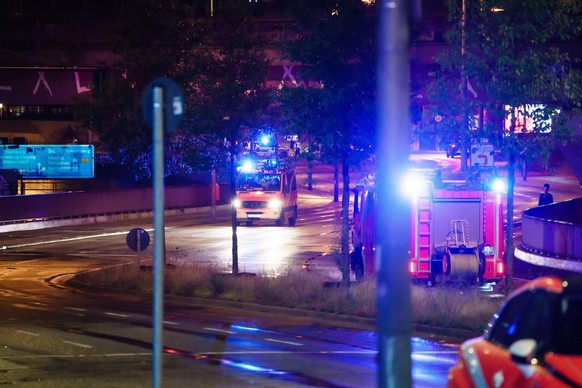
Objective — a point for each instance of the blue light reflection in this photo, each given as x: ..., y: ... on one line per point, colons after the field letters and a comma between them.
x: 246, y: 328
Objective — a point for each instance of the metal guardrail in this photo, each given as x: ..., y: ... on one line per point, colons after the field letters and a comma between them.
x: 554, y: 230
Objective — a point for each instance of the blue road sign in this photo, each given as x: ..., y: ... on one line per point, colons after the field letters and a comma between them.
x: 137, y: 239
x: 49, y: 161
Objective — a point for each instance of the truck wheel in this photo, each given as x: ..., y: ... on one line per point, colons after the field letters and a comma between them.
x: 281, y: 219
x: 481, y: 271
x: 446, y: 264
x: 440, y: 270
x: 293, y: 218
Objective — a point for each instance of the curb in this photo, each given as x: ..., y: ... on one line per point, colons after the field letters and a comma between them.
x: 561, y: 263
x: 455, y: 335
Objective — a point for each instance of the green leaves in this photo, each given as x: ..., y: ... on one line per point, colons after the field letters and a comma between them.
x: 334, y: 102
x: 219, y: 63
x: 513, y: 58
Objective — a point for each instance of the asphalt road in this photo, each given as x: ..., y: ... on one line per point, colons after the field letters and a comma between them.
x: 52, y: 335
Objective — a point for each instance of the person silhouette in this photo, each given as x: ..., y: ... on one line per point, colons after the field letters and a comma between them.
x: 545, y: 197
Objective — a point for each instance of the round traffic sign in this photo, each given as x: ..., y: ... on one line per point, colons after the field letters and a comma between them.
x: 137, y: 239
x: 173, y: 103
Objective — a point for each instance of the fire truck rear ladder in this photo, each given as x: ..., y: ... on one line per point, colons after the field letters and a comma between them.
x: 424, y: 235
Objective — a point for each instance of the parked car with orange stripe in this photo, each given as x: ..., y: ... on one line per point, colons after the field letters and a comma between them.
x: 534, y: 340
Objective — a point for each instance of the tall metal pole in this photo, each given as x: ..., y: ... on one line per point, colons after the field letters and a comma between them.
x: 497, y: 241
x: 213, y: 192
x: 463, y: 89
x: 393, y: 221
x: 233, y: 220
x: 158, y: 182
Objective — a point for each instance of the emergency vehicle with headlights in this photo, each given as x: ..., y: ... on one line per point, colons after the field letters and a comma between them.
x: 456, y: 231
x: 266, y: 190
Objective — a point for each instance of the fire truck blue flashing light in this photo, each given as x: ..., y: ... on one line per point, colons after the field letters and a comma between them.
x: 248, y: 165
x: 266, y: 140
x: 413, y: 184
x: 499, y: 186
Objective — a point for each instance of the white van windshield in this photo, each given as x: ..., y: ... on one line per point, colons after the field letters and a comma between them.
x: 259, y: 181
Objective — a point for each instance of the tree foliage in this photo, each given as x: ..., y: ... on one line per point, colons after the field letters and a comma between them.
x: 505, y: 67
x: 219, y: 63
x: 337, y: 51
x: 333, y: 106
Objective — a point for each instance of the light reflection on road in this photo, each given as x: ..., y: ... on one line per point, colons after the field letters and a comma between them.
x: 262, y: 249
x: 431, y: 362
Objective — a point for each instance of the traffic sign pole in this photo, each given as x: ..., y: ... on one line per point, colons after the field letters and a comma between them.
x: 163, y: 108
x: 158, y: 272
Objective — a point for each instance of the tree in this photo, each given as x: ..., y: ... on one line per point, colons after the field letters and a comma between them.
x: 334, y: 104
x: 227, y: 81
x: 148, y: 40
x: 219, y: 63
x: 510, y: 52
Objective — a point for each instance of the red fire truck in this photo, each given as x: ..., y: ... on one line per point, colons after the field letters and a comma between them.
x: 456, y: 232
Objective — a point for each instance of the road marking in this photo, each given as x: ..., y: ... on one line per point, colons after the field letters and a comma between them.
x: 24, y: 262
x: 355, y: 352
x: 66, y: 240
x: 7, y: 365
x: 85, y: 253
x: 171, y: 323
x: 27, y: 333
x: 78, y: 344
x: 28, y: 306
x: 74, y: 356
x: 219, y: 330
x: 75, y: 309
x: 117, y: 315
x: 438, y: 351
x: 284, y: 342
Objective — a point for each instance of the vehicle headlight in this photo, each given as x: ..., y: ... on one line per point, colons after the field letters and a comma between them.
x: 236, y: 203
x: 275, y: 203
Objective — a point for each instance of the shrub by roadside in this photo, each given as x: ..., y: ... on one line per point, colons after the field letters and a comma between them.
x: 451, y: 308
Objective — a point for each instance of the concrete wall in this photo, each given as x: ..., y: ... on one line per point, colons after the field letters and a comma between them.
x: 86, y: 204
x: 554, y: 229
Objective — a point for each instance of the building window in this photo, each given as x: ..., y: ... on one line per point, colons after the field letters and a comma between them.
x: 36, y: 112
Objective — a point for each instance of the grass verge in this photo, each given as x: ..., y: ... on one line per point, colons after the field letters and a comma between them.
x: 444, y: 307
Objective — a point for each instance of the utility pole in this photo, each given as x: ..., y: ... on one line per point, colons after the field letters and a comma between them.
x: 393, y: 235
